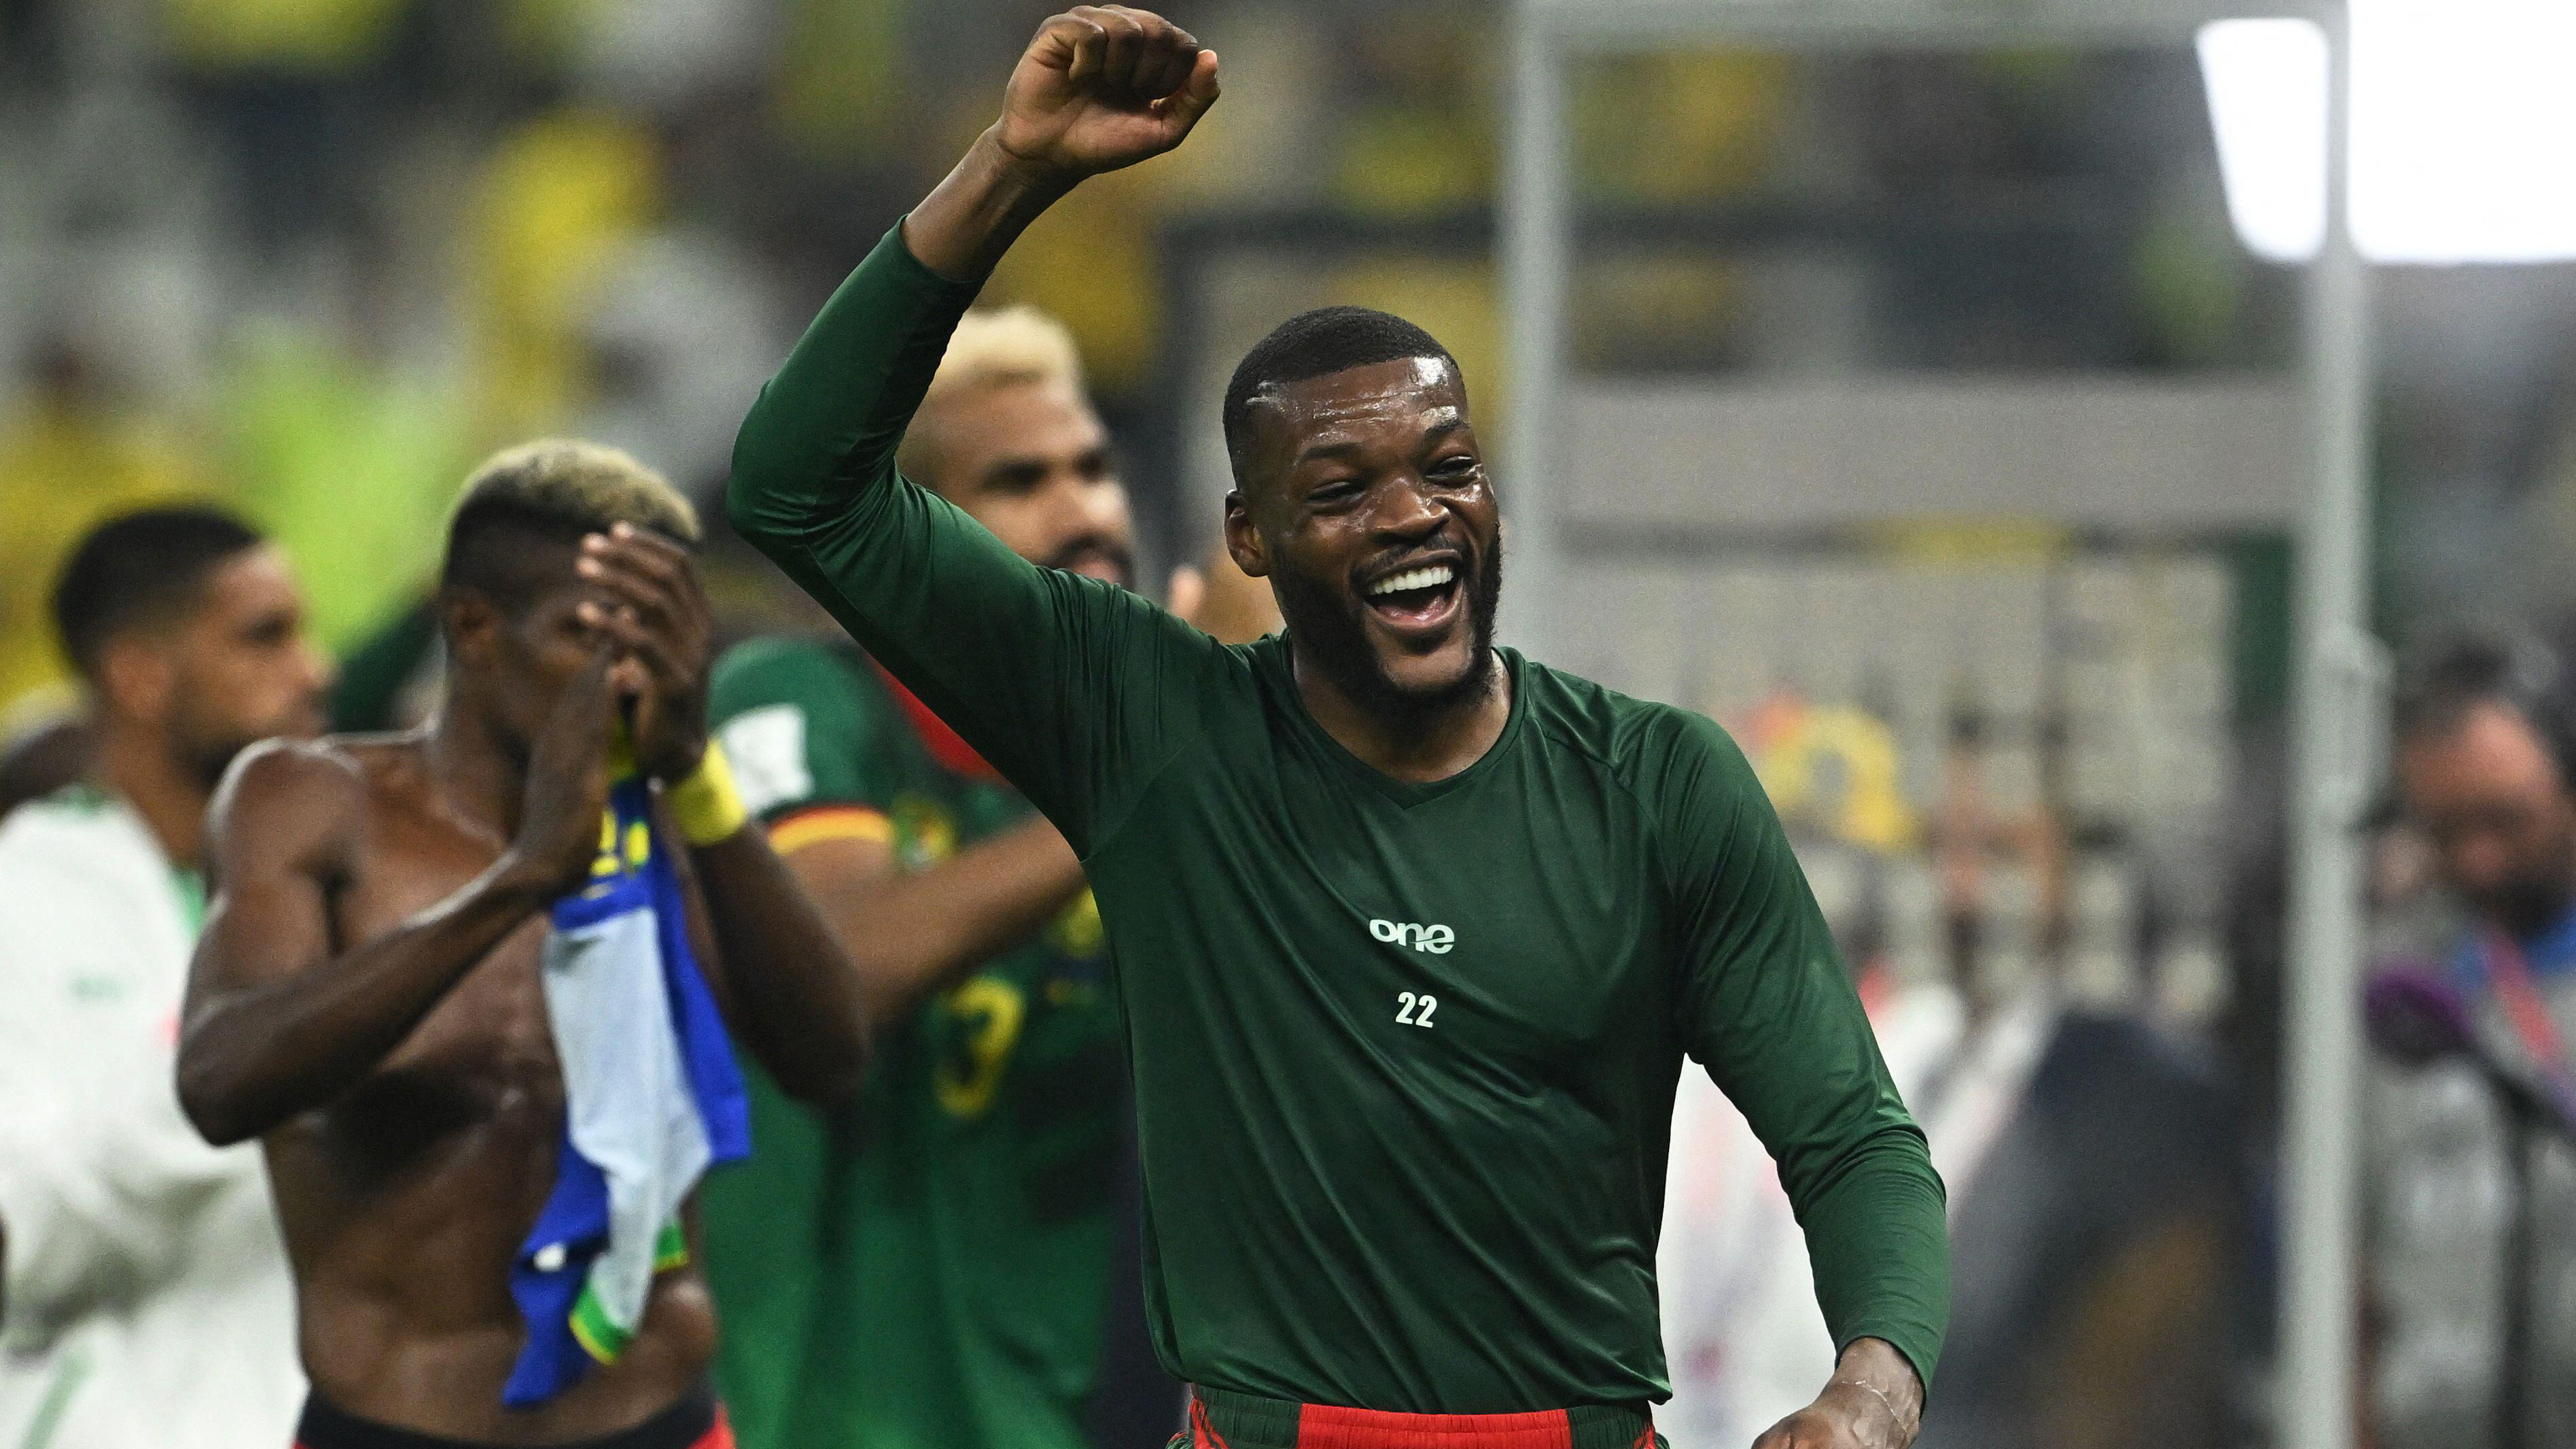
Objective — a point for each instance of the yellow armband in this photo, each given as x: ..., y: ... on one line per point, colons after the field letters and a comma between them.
x: 706, y: 806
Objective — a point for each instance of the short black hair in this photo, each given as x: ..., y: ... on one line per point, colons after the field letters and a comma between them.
x: 139, y: 569
x: 528, y: 504
x: 1316, y: 344
x: 2446, y: 680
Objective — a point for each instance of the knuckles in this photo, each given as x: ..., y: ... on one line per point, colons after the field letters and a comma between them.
x: 1119, y: 22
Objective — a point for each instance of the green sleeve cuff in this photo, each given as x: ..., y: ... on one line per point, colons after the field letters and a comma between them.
x: 1880, y: 1244
x: 893, y: 253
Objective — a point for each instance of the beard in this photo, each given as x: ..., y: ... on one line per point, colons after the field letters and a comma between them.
x: 208, y: 754
x: 206, y: 744
x: 2527, y: 905
x: 1095, y: 548
x: 1326, y: 626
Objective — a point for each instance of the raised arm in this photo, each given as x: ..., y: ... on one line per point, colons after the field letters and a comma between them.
x: 1768, y: 1008
x: 1027, y: 663
x: 279, y: 1019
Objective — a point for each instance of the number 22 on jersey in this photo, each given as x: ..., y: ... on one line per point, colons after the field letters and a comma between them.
x: 1414, y: 1009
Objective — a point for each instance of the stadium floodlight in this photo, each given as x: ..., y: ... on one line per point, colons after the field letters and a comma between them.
x: 2463, y: 130
x: 2266, y: 81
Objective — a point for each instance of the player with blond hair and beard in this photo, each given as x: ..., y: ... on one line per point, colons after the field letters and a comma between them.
x: 935, y: 1262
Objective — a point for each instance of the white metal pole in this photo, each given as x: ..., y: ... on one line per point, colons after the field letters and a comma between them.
x: 2337, y: 703
x: 1536, y: 222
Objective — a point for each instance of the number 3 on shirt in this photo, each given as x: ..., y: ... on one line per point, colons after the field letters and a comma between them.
x: 1413, y: 1010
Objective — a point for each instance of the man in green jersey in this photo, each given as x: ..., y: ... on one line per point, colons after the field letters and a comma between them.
x: 930, y: 1265
x: 1412, y: 934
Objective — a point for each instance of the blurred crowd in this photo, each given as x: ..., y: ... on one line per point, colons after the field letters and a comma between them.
x: 313, y: 257
x: 297, y: 253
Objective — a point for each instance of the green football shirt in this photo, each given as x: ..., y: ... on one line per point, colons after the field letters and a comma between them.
x: 928, y: 1266
x: 1404, y: 1054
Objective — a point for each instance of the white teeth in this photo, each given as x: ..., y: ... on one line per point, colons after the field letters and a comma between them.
x: 1426, y: 577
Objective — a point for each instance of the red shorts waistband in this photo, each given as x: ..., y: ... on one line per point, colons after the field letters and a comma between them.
x: 1221, y: 1419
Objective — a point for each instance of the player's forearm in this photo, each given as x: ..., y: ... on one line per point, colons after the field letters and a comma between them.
x: 962, y: 228
x: 826, y: 426
x: 252, y: 1058
x: 983, y: 636
x: 1878, y: 1235
x: 914, y: 934
x: 796, y: 998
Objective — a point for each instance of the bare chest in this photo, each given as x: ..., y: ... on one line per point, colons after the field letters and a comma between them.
x: 482, y: 1060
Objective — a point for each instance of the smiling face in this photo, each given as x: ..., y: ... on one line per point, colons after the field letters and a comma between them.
x: 1362, y: 496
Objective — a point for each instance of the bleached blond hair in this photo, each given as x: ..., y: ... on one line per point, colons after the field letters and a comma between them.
x: 589, y: 485
x: 1016, y: 346
x: 550, y: 493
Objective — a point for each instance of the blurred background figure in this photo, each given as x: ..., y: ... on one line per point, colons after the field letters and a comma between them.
x: 73, y: 449
x: 43, y: 754
x: 2486, y: 780
x: 148, y: 1297
x: 2096, y: 1198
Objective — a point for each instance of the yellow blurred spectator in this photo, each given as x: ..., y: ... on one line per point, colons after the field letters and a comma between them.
x: 546, y: 29
x: 558, y: 198
x: 1090, y: 263
x: 69, y: 457
x: 310, y: 37
x: 1414, y: 160
x: 1420, y: 140
x: 1831, y: 768
x: 1452, y: 300
x: 1715, y: 116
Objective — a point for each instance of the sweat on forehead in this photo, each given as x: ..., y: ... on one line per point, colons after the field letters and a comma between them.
x: 1316, y: 344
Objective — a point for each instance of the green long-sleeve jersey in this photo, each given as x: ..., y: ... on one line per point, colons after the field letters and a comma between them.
x: 1404, y: 1053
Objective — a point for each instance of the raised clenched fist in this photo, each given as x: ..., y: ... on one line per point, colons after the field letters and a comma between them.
x: 1104, y: 86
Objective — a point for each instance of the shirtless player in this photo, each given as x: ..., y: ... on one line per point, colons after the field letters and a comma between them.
x: 366, y: 997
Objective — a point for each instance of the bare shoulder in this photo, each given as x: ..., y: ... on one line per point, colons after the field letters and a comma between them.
x: 305, y: 774
x: 292, y: 798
